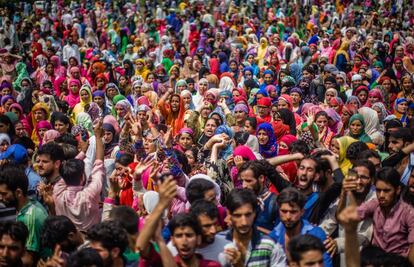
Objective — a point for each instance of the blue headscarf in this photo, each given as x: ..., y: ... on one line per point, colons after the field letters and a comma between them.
x: 270, y: 149
x: 227, y: 150
x: 229, y: 99
x: 220, y: 113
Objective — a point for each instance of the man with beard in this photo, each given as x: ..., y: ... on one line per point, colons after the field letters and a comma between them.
x: 360, y: 186
x: 13, y: 193
x: 393, y: 219
x: 254, y: 176
x: 13, y: 236
x: 408, y: 191
x: 251, y: 247
x: 291, y: 209
x: 49, y: 158
x: 401, y: 150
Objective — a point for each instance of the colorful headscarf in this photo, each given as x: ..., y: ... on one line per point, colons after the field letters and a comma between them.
x: 270, y: 149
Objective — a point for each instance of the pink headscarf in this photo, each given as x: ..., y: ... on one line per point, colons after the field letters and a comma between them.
x: 111, y: 120
x: 374, y: 93
x: 247, y: 154
x: 73, y: 98
x: 50, y: 136
x: 42, y: 125
x: 287, y: 99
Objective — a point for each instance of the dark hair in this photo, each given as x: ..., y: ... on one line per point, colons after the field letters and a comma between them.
x: 389, y: 176
x: 253, y: 121
x: 67, y: 138
x: 300, y: 146
x: 125, y: 159
x: 375, y: 256
x: 322, y: 164
x: 69, y: 151
x: 182, y: 159
x: 367, y: 164
x: 240, y: 197
x: 15, y: 178
x: 16, y: 230
x: 355, y: 149
x: 84, y: 258
x: 126, y: 217
x: 309, y: 69
x: 53, y: 150
x: 110, y: 234
x: 204, y: 207
x: 291, y: 196
x: 301, y: 244
x: 260, y: 167
x: 26, y: 142
x: 405, y: 134
x: 55, y: 230
x: 321, y: 113
x: 6, y: 120
x: 196, y: 188
x: 184, y: 220
x: 241, y: 138
x: 369, y: 154
x: 71, y: 171
x: 59, y: 116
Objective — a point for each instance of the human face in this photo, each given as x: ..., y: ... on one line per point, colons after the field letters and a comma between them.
x: 111, y: 92
x: 39, y: 115
x: 99, y: 100
x: 362, y: 96
x: 248, y: 127
x: 395, y: 145
x: 210, y: 128
x: 185, y: 140
x: 354, y: 103
x: 363, y: 180
x: 334, y: 106
x: 268, y: 78
x: 74, y: 88
x: 108, y: 136
x: 186, y: 99
x: 386, y: 194
x: 250, y: 182
x: 120, y: 111
x: 329, y: 95
x: 42, y: 132
x: 242, y: 219
x: 335, y: 146
x: 202, y: 87
x: 356, y: 83
x: 5, y: 91
x: 11, y: 251
x: 282, y: 104
x: 186, y: 241
x: 84, y: 96
x: 149, y: 145
x: 263, y: 111
x: 103, y: 252
x: 407, y: 83
x: 295, y: 98
x: 356, y: 127
x: 402, y: 107
x: 248, y: 75
x: 209, y: 227
x: 339, y: 80
x: 262, y: 137
x: 290, y: 215
x: 20, y: 130
x: 46, y: 166
x: 321, y: 122
x: 240, y: 115
x: 306, y: 74
x: 387, y: 85
x: 61, y: 127
x: 311, y: 258
x: 7, y: 197
x: 4, y: 128
x: 306, y: 174
x: 175, y: 104
x: 190, y: 157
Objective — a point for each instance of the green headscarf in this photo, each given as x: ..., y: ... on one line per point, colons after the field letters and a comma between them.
x: 362, y: 136
x: 21, y: 74
x: 252, y: 98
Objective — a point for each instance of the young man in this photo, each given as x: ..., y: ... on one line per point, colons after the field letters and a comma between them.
x: 110, y: 240
x: 253, y: 248
x: 393, y: 219
x: 13, y: 236
x: 305, y: 250
x: 186, y: 237
x: 49, y: 159
x: 13, y: 193
x: 291, y: 209
x: 81, y: 203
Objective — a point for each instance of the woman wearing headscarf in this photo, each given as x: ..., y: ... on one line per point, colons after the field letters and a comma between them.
x: 372, y: 125
x: 362, y: 93
x: 334, y: 121
x: 40, y: 112
x: 85, y: 121
x: 262, y: 51
x: 268, y: 147
x: 59, y: 70
x: 173, y: 112
x: 374, y: 96
x: 342, y: 57
x: 382, y: 112
x: 202, y: 87
x: 85, y: 97
x: 73, y: 97
x: 339, y: 147
x: 357, y: 128
x: 5, y: 142
x: 21, y: 74
x: 400, y: 110
x: 110, y: 141
x: 122, y: 108
x: 41, y: 128
x: 297, y: 99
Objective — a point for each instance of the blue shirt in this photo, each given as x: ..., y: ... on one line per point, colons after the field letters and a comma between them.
x: 278, y: 234
x: 34, y: 180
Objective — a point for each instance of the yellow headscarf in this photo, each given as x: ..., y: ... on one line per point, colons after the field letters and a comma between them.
x: 344, y: 143
x: 80, y: 107
x: 37, y: 106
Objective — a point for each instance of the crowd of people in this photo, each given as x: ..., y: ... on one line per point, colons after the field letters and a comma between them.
x: 207, y: 133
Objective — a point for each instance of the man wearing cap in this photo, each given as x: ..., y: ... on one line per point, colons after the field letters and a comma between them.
x: 263, y: 107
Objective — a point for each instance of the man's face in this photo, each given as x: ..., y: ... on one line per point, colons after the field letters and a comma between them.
x: 363, y: 181
x: 186, y: 241
x: 249, y: 181
x: 386, y: 194
x: 290, y: 215
x: 7, y: 197
x: 46, y: 166
x: 209, y: 228
x: 313, y: 258
x: 242, y: 219
x: 306, y: 174
x: 395, y: 145
x: 11, y: 251
x: 263, y: 111
x: 103, y: 252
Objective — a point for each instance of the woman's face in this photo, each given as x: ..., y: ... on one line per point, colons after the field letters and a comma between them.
x: 122, y: 81
x: 61, y: 127
x: 339, y: 80
x: 185, y: 140
x: 190, y: 157
x: 248, y: 75
x: 387, y: 85
x: 295, y: 98
x: 99, y: 100
x: 362, y: 96
x: 262, y: 137
x: 3, y: 146
x: 235, y: 93
x: 355, y: 127
x: 137, y: 89
x: 8, y: 104
x: 334, y: 146
x: 345, y: 117
x: 149, y: 144
x: 20, y: 130
x: 233, y: 66
x: 150, y: 78
x: 334, y: 106
x: 42, y: 132
x: 108, y: 136
x: 248, y: 127
x: 402, y: 107
x: 210, y: 128
x: 186, y: 99
x: 250, y: 59
x: 329, y: 95
x: 268, y: 78
x: 321, y: 122
x: 240, y: 115
x: 282, y: 104
x: 5, y: 91
x: 181, y: 88
x: 175, y: 104
x: 111, y: 92
x: 16, y: 111
x: 407, y: 83
x: 283, y: 145
x: 378, y: 110
x: 100, y: 83
x: 74, y: 88
x: 39, y: 115
x: 120, y: 111
x: 354, y: 103
x: 84, y: 96
x: 373, y: 99
x: 49, y: 69
x: 202, y: 87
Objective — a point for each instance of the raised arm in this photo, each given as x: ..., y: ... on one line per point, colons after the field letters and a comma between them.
x: 98, y: 130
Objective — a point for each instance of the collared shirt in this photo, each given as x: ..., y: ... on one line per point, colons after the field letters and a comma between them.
x: 262, y: 251
x: 393, y: 233
x: 279, y: 232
